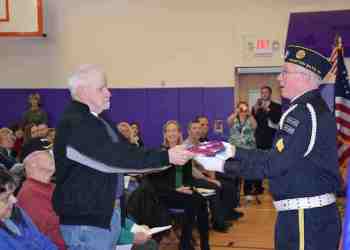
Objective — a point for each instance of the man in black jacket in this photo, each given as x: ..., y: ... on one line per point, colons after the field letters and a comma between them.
x: 267, y: 114
x: 91, y: 156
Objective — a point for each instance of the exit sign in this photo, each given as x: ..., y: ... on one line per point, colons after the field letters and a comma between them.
x: 263, y: 47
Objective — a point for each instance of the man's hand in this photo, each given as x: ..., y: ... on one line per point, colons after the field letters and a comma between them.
x: 258, y: 105
x: 185, y: 190
x: 145, y: 227
x: 231, y: 150
x: 141, y: 238
x: 178, y: 155
x: 265, y: 106
x: 216, y: 182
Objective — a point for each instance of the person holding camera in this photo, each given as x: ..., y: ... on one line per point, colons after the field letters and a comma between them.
x: 267, y: 114
x: 243, y: 126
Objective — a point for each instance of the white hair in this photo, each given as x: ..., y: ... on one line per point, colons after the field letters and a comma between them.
x: 83, y: 76
x: 312, y: 77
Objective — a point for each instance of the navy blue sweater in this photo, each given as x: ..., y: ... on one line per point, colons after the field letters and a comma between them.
x: 88, y: 159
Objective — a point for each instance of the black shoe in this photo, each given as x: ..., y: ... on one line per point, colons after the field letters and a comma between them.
x: 186, y: 247
x: 235, y: 215
x: 259, y: 190
x: 225, y: 223
x: 221, y: 228
x: 228, y: 223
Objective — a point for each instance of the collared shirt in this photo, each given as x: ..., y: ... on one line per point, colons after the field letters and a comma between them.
x: 12, y: 226
x: 296, y: 97
x: 95, y: 114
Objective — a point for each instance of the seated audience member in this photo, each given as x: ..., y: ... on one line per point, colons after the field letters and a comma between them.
x: 34, y: 114
x: 125, y: 129
x: 19, y: 136
x: 43, y: 130
x: 7, y: 141
x: 231, y: 183
x: 17, y: 231
x: 204, y: 122
x: 34, y: 131
x: 135, y: 127
x: 139, y: 240
x: 51, y: 135
x: 207, y: 179
x: 36, y: 191
x: 27, y: 132
x: 173, y: 187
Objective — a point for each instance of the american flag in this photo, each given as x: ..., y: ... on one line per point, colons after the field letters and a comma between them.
x: 210, y: 148
x: 342, y: 114
x: 342, y: 105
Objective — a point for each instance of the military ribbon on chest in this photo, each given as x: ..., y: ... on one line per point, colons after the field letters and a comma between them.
x: 290, y: 124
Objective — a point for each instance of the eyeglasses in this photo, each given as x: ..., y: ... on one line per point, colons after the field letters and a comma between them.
x: 243, y: 109
x: 284, y: 73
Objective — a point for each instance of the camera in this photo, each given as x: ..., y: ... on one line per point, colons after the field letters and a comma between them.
x: 243, y: 109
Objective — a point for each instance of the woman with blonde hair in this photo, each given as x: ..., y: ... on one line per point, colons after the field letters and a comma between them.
x: 166, y: 139
x: 174, y: 189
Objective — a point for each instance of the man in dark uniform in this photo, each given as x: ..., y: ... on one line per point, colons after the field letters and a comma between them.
x: 302, y: 165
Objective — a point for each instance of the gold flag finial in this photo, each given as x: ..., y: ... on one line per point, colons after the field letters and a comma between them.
x: 338, y: 41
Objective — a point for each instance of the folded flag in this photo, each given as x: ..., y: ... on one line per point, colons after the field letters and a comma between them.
x: 209, y: 148
x: 215, y: 162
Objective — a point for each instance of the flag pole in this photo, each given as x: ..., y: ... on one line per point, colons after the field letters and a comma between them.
x: 337, y: 47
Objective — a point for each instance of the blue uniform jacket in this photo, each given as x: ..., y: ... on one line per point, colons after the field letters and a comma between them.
x: 303, y: 161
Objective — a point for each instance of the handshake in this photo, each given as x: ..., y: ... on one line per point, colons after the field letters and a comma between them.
x: 179, y: 155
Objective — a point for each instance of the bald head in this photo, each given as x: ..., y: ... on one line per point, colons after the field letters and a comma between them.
x: 39, y: 166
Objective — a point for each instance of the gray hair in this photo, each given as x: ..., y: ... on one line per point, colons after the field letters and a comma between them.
x: 313, y: 77
x: 83, y: 76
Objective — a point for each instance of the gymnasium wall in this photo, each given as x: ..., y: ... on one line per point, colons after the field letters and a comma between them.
x: 164, y: 59
x: 150, y: 107
x: 150, y: 43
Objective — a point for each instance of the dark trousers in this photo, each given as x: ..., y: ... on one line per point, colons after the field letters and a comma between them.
x: 230, y: 190
x: 217, y: 207
x: 195, y: 208
x: 250, y: 187
x: 259, y: 186
x: 308, y: 229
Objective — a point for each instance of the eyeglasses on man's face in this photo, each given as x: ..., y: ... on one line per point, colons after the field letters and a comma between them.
x: 285, y: 73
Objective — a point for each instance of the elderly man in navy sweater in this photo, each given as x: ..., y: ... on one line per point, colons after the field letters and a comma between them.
x: 91, y: 156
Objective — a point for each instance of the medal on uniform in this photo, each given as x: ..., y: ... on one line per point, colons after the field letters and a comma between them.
x: 280, y: 145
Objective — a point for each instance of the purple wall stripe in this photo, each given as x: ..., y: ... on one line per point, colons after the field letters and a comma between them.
x: 150, y: 107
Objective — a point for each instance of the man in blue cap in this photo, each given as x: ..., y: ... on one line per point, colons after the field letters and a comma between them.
x: 302, y: 166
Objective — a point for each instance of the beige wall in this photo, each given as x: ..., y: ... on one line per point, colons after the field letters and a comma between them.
x: 144, y: 43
